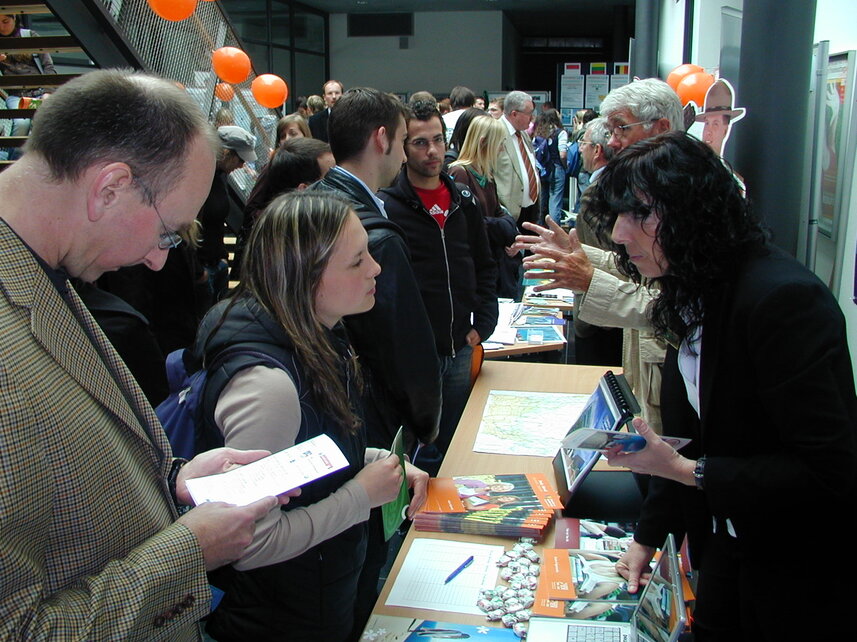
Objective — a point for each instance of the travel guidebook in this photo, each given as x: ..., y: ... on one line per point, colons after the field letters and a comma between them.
x: 507, y: 505
x: 583, y: 585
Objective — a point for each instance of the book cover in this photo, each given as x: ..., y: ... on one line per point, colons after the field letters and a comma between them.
x: 508, y: 505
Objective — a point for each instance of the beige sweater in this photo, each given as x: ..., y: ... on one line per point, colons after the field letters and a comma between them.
x: 259, y: 408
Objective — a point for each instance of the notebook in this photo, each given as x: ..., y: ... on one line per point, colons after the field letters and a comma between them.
x: 659, y: 616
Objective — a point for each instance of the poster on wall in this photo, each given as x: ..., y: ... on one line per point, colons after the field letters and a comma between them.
x: 597, y: 88
x: 621, y: 75
x: 571, y: 69
x: 835, y: 119
x: 571, y: 92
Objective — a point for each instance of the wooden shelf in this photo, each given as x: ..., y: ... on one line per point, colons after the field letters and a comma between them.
x: 40, y: 44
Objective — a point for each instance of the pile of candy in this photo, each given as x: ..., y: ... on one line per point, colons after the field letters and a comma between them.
x: 511, y: 604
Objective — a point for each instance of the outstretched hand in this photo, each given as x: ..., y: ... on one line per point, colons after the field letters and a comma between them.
x: 657, y: 458
x: 552, y: 236
x: 567, y: 268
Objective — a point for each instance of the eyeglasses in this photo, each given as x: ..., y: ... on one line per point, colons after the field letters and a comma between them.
x: 169, y: 239
x: 423, y: 143
x: 619, y: 130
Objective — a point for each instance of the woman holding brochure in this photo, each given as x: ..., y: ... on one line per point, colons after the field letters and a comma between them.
x: 306, y: 266
x: 758, y: 376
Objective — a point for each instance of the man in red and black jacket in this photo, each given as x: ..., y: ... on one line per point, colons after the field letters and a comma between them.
x: 450, y: 256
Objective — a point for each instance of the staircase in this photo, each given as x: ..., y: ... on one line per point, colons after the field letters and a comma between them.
x: 35, y: 45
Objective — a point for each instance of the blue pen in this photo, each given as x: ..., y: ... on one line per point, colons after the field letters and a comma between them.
x: 463, y: 566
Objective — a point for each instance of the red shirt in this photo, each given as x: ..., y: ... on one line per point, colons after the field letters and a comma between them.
x: 436, y: 201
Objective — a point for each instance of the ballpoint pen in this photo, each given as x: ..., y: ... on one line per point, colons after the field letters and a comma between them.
x: 463, y: 566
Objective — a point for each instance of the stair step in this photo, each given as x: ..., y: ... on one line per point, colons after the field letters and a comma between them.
x: 40, y: 44
x: 12, y: 141
x: 10, y: 7
x: 34, y: 81
x: 17, y: 113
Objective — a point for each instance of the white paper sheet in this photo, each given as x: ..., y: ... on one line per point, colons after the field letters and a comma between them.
x: 420, y: 582
x: 282, y: 471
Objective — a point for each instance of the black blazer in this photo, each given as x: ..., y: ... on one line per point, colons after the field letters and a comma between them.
x: 318, y: 125
x: 778, y: 413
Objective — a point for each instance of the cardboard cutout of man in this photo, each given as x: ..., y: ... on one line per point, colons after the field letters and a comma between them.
x: 718, y: 115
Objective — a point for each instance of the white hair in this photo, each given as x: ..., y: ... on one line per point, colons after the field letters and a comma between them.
x: 648, y: 100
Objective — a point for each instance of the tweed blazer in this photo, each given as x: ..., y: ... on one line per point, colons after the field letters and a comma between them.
x: 507, y: 175
x: 88, y: 545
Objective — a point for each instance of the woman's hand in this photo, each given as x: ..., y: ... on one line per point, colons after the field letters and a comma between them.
x: 381, y: 480
x: 633, y: 563
x: 418, y: 482
x: 657, y: 458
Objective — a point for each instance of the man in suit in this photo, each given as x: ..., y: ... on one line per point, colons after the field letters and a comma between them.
x: 516, y: 175
x: 93, y: 547
x: 332, y: 91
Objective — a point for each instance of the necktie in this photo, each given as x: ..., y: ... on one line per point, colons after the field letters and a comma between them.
x: 531, y: 173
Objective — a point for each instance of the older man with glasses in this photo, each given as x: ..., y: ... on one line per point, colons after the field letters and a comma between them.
x: 516, y: 176
x: 640, y: 110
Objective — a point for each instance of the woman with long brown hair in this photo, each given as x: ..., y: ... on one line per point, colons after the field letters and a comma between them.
x: 306, y: 266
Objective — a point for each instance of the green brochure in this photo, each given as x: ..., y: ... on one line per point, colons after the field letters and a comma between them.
x: 394, y: 511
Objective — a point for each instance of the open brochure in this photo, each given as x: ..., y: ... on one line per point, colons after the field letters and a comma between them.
x: 271, y: 476
x: 600, y: 440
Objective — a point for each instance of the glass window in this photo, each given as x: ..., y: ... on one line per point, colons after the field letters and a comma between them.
x: 258, y: 53
x: 249, y: 17
x: 309, y: 74
x: 280, y: 23
x: 309, y: 31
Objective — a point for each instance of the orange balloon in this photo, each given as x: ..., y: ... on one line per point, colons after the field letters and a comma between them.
x: 224, y: 91
x: 680, y: 72
x: 269, y: 90
x: 173, y: 10
x: 694, y: 87
x: 231, y: 64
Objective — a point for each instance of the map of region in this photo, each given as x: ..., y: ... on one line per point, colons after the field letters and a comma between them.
x: 527, y: 423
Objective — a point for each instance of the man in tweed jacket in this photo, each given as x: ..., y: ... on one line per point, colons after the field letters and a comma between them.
x: 90, y: 544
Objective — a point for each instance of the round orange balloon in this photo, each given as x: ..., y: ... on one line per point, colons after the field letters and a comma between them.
x: 693, y: 87
x: 680, y: 72
x: 231, y: 64
x: 269, y: 90
x: 173, y: 10
x: 224, y: 91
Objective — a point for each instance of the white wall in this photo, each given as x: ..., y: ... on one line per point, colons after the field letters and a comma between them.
x: 671, y: 36
x: 447, y: 49
x: 706, y: 31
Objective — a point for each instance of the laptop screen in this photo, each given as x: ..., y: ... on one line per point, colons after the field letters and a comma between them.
x: 660, y: 614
